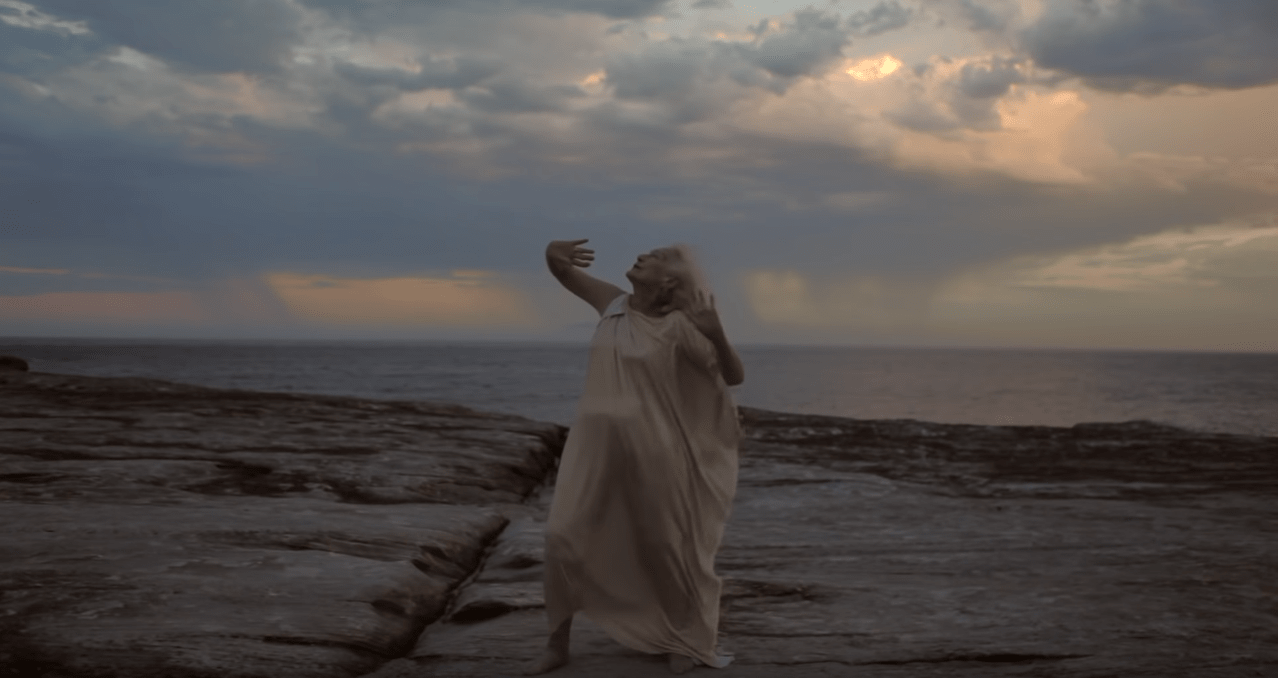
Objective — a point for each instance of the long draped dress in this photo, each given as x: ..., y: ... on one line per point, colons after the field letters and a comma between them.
x: 644, y: 488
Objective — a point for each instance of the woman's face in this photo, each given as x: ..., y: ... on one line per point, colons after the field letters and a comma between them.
x: 655, y: 267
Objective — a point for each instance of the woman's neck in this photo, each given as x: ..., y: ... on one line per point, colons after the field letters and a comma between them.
x: 648, y: 301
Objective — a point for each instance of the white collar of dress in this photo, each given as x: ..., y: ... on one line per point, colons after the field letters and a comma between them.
x: 617, y: 306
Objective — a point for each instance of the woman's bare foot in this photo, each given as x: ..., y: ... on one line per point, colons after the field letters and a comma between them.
x: 550, y: 660
x: 679, y: 663
x: 556, y: 654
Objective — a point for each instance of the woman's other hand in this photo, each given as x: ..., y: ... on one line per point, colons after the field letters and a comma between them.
x: 699, y: 306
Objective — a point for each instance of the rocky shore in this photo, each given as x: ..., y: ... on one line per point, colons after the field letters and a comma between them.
x: 154, y: 529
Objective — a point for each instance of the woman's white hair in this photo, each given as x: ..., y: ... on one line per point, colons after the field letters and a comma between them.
x: 693, y: 277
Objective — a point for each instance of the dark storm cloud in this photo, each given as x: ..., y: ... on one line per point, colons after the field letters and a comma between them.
x: 886, y: 16
x: 1155, y: 44
x: 668, y: 69
x: 617, y: 9
x: 24, y: 284
x: 391, y: 11
x: 980, y: 16
x: 38, y: 53
x: 923, y: 117
x: 814, y: 39
x: 516, y: 96
x: 443, y: 73
x: 70, y: 181
x: 968, y: 98
x: 979, y: 87
x: 211, y: 35
x: 91, y: 202
x: 698, y: 78
x: 986, y: 80
x: 107, y: 205
x: 92, y: 198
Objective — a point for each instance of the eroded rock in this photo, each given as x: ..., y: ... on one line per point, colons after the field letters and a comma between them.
x: 1132, y: 459
x: 217, y: 442
x: 158, y: 529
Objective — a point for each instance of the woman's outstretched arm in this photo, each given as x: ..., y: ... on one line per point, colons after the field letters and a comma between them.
x: 565, y: 258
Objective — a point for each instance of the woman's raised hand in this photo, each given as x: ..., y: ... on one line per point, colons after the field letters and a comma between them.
x: 699, y: 306
x: 564, y: 254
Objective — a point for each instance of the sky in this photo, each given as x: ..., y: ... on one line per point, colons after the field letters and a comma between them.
x: 1091, y: 174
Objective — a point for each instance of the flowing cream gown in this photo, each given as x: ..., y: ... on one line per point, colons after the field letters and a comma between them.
x: 645, y: 485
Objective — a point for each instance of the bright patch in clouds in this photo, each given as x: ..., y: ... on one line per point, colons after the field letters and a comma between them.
x: 782, y: 297
x: 1198, y: 257
x: 21, y: 269
x: 945, y: 121
x: 104, y: 307
x: 1200, y: 288
x: 1153, y: 291
x: 863, y: 303
x: 466, y: 298
x: 462, y: 299
x: 874, y: 69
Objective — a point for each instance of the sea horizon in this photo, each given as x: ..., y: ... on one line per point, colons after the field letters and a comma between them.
x: 584, y: 343
x: 1211, y: 391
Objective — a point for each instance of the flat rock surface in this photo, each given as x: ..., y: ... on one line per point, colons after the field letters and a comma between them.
x: 159, y: 529
x: 902, y: 548
x: 156, y: 529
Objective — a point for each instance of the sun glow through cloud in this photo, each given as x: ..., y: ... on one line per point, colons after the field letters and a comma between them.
x: 1128, y: 292
x: 466, y: 298
x: 874, y: 69
x: 22, y: 269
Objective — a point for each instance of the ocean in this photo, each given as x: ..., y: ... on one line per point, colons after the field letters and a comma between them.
x: 1219, y: 392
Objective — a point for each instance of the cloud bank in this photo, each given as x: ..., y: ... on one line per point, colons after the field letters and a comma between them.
x: 300, y: 161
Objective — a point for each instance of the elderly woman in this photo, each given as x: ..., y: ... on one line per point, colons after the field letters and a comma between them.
x: 649, y: 470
